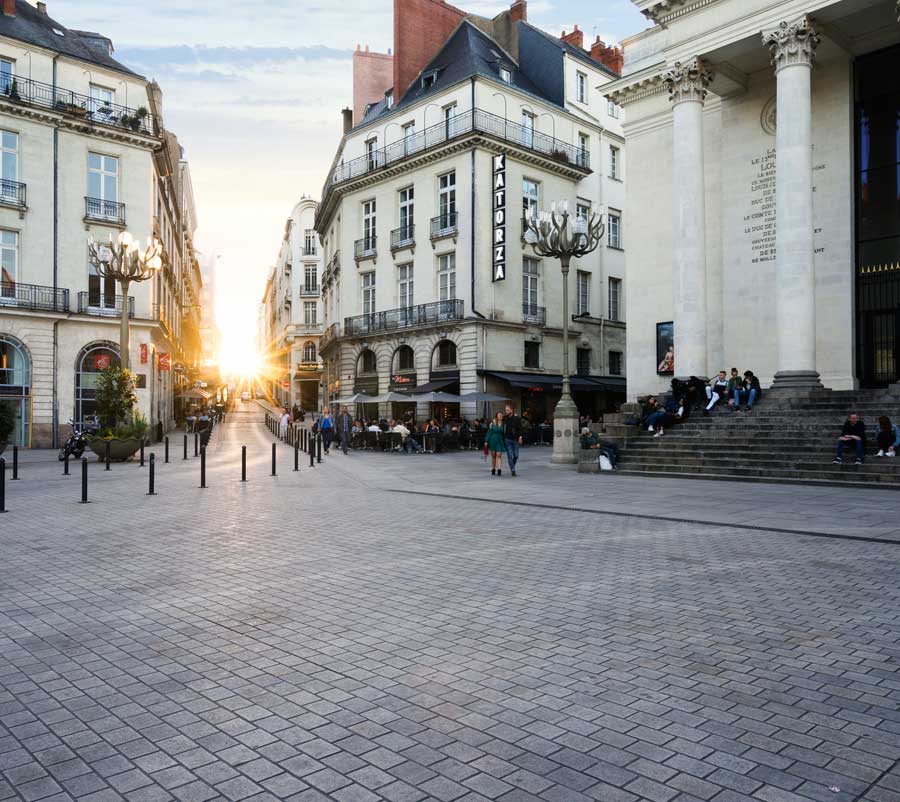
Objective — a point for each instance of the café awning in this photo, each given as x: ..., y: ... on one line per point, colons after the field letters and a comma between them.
x: 434, y: 385
x: 553, y: 381
x: 195, y: 394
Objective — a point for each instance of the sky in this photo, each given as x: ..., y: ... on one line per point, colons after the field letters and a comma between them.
x: 254, y: 91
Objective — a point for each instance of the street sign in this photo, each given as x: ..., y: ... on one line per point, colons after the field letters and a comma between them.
x: 165, y: 362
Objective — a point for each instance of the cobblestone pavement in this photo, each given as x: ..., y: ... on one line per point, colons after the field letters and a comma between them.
x: 315, y: 636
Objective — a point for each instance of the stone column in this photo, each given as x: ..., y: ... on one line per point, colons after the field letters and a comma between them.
x: 688, y: 83
x: 793, y: 47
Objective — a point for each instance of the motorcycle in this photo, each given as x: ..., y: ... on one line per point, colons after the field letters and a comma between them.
x: 77, y: 442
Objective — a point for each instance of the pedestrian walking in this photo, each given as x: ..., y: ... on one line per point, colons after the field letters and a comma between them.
x: 496, y: 444
x: 326, y: 427
x: 345, y: 428
x: 283, y: 423
x: 512, y: 435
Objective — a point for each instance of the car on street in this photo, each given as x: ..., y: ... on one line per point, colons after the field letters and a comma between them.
x: 245, y: 396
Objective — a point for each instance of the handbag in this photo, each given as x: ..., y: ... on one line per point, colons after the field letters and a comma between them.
x: 486, y: 449
x: 605, y: 464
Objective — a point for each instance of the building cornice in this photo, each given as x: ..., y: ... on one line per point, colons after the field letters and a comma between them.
x: 638, y: 86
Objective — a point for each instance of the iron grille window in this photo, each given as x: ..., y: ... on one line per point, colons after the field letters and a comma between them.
x: 583, y: 361
x: 615, y: 363
x: 615, y: 287
x: 532, y: 354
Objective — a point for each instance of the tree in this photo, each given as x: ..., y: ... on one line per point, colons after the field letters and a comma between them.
x: 115, y: 397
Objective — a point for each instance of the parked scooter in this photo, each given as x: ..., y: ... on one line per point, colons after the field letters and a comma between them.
x: 74, y: 447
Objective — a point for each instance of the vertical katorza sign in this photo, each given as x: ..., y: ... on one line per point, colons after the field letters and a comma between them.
x: 499, y: 214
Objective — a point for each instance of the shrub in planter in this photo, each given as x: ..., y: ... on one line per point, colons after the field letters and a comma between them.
x: 115, y: 397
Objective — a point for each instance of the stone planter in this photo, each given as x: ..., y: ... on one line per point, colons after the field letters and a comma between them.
x: 119, y: 449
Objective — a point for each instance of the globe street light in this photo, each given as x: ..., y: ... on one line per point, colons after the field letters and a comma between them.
x: 125, y: 262
x: 562, y: 237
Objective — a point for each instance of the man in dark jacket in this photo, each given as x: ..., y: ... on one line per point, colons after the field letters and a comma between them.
x: 854, y: 432
x: 344, y: 427
x: 512, y: 434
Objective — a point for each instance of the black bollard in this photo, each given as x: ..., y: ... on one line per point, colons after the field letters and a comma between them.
x: 152, y: 474
x: 196, y: 443
x: 312, y: 456
x: 185, y: 447
x: 203, y: 467
x: 66, y: 465
x: 296, y: 456
x: 167, y: 451
x: 2, y: 485
x: 106, y: 457
x: 84, y: 473
x: 243, y: 463
x: 142, y: 452
x: 15, y: 476
x: 319, y: 448
x: 274, y: 447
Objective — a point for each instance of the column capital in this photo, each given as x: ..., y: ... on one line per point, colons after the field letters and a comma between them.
x: 792, y: 43
x: 688, y: 80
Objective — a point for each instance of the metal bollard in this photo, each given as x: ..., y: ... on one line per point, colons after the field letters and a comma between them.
x: 185, y: 447
x: 15, y: 476
x: 2, y: 485
x: 152, y: 474
x: 243, y: 463
x: 296, y: 456
x: 66, y: 465
x: 203, y: 467
x: 274, y: 447
x: 312, y: 456
x: 196, y: 443
x: 84, y: 474
x: 166, y: 459
x: 106, y: 454
x: 142, y: 452
x: 319, y: 448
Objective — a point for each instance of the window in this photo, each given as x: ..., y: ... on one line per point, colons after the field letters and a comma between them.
x: 447, y: 277
x: 614, y: 224
x: 310, y: 279
x: 15, y: 386
x: 389, y: 98
x: 369, y: 225
x: 9, y: 263
x: 530, y: 280
x: 446, y: 354
x: 405, y: 286
x: 532, y: 354
x: 9, y: 162
x: 101, y: 290
x: 615, y: 363
x: 407, y: 213
x: 583, y: 293
x: 505, y: 75
x: 406, y: 359
x: 527, y: 129
x: 612, y: 110
x: 309, y: 242
x: 372, y: 153
x: 582, y: 210
x: 447, y: 199
x: 615, y: 289
x: 450, y: 120
x: 368, y: 291
x: 309, y: 313
x: 309, y: 352
x: 530, y: 197
x: 409, y: 138
x: 583, y: 361
x: 428, y: 80
x: 93, y: 359
x: 7, y: 72
x: 103, y: 186
x: 101, y: 100
x: 581, y: 87
x: 584, y: 149
x: 613, y: 161
x: 367, y: 363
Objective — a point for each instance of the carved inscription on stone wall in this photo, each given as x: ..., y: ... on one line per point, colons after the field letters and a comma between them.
x: 759, y: 222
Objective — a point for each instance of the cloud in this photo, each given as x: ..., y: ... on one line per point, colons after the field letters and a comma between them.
x: 239, y: 57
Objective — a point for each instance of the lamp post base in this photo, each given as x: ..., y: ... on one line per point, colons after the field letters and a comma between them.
x: 565, y: 433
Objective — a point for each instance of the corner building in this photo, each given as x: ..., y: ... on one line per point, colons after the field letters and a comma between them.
x: 763, y: 191
x: 407, y: 224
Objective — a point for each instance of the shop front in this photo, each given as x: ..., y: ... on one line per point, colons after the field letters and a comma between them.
x: 306, y: 388
x: 443, y: 381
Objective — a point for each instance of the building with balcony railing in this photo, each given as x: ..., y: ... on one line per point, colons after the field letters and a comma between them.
x: 428, y: 189
x: 87, y: 135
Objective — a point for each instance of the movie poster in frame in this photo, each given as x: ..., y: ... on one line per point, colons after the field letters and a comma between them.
x: 665, y: 348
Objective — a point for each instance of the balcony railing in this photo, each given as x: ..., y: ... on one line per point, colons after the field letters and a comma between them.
x: 534, y: 314
x: 104, y: 211
x: 33, y: 296
x: 93, y: 110
x: 464, y: 123
x: 404, y: 318
x: 444, y: 225
x: 364, y: 248
x: 12, y: 193
x: 99, y: 306
x: 403, y: 237
x: 330, y: 334
x: 309, y: 290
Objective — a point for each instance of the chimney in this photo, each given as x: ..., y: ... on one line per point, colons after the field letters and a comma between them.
x: 611, y: 56
x: 9, y: 8
x: 518, y: 11
x: 347, y: 115
x: 576, y: 38
x: 42, y: 7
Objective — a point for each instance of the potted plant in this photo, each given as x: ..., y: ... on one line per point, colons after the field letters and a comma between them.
x: 560, y: 155
x: 7, y: 423
x: 13, y: 90
x: 121, y: 426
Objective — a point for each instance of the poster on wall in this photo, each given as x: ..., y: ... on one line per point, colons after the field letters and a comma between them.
x: 165, y: 361
x: 498, y: 214
x: 665, y: 348
x: 144, y: 352
x: 101, y: 361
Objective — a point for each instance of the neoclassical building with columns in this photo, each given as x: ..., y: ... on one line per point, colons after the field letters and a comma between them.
x: 765, y: 159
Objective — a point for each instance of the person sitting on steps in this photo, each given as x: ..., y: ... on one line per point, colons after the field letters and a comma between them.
x: 887, y: 436
x: 606, y: 447
x: 653, y: 413
x: 735, y: 385
x: 854, y: 432
x: 716, y: 391
x: 750, y: 391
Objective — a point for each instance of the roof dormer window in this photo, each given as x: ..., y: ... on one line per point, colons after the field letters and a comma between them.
x: 505, y: 75
x: 428, y: 79
x: 389, y: 96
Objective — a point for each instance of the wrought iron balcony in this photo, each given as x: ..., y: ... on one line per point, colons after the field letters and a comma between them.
x: 16, y: 89
x: 406, y: 317
x: 12, y: 193
x: 444, y: 225
x: 97, y: 305
x: 532, y: 313
x: 104, y: 211
x: 33, y: 296
x: 403, y: 237
x: 332, y: 333
x: 308, y: 290
x: 364, y: 248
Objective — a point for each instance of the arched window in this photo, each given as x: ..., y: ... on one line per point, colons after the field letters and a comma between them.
x: 93, y: 358
x: 309, y: 352
x: 445, y: 355
x: 366, y: 364
x: 404, y: 360
x: 15, y: 386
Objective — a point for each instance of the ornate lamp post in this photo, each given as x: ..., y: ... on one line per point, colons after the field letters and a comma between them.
x: 125, y: 262
x: 562, y: 237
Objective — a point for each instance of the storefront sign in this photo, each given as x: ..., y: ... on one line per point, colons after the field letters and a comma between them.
x: 101, y: 361
x: 144, y: 353
x: 499, y: 218
x: 398, y: 378
x: 140, y: 381
x: 165, y: 362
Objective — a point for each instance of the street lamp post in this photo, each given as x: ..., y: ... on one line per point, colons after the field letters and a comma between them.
x: 125, y: 262
x: 557, y: 235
